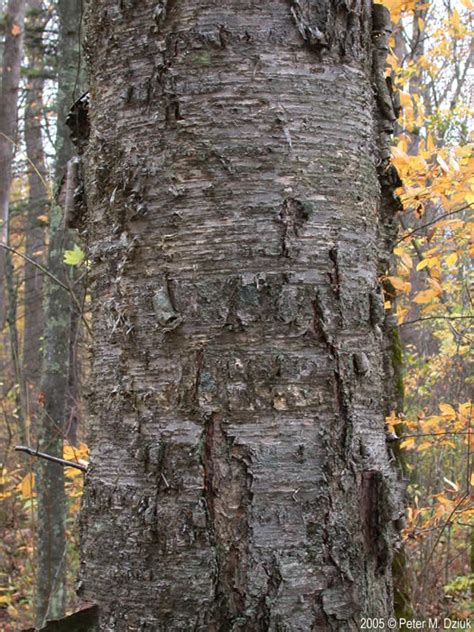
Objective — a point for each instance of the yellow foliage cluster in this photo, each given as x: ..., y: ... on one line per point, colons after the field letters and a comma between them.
x: 430, y: 286
x: 448, y: 423
x: 18, y: 496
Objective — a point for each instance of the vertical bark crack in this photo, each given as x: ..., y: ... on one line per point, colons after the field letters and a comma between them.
x: 264, y: 608
x: 227, y: 482
x: 375, y: 514
x: 322, y: 325
x: 293, y: 216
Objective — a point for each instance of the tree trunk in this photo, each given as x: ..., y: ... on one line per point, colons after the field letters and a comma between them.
x: 236, y: 186
x: 38, y: 204
x: 51, y: 538
x: 12, y: 52
x: 51, y: 597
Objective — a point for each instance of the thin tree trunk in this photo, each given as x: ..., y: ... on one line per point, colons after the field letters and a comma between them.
x: 14, y: 342
x: 12, y: 53
x: 236, y: 188
x: 38, y: 204
x: 56, y: 370
x: 51, y: 499
x: 11, y: 65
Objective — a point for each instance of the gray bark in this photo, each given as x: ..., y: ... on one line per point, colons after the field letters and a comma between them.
x: 38, y: 204
x: 239, y: 211
x: 12, y: 52
x: 51, y: 597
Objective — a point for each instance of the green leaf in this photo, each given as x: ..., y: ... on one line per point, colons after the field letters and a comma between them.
x: 74, y: 257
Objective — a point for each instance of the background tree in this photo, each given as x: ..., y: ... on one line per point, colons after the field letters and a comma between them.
x: 11, y: 64
x: 35, y: 509
x: 12, y: 54
x: 56, y: 377
x: 38, y: 204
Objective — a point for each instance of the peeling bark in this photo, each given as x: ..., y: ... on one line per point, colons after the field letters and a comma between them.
x: 234, y: 179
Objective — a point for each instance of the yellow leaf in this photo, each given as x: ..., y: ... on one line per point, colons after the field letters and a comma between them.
x: 43, y: 218
x: 395, y: 420
x: 391, y: 421
x: 426, y: 445
x: 466, y: 408
x: 456, y: 20
x: 430, y: 144
x: 405, y: 257
x: 398, y: 284
x: 429, y: 309
x: 425, y: 296
x: 402, y: 313
x: 5, y: 598
x: 405, y: 98
x: 435, y: 284
x: 76, y: 453
x: 422, y: 264
x: 444, y: 501
x: 16, y: 29
x: 74, y: 257
x: 449, y: 443
x: 408, y: 444
x: 433, y: 262
x: 397, y: 152
x: 26, y: 486
x: 431, y: 424
x: 451, y: 259
x: 393, y: 61
x: 442, y: 164
x: 447, y: 410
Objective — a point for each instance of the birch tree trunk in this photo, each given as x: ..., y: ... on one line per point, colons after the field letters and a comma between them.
x: 239, y: 213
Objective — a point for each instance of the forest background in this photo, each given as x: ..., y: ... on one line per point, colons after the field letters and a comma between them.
x: 44, y: 315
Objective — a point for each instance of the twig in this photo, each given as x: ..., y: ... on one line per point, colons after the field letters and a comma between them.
x: 437, y: 219
x: 428, y: 434
x: 40, y: 175
x: 36, y: 264
x: 418, y: 320
x: 446, y: 523
x: 51, y: 276
x: 49, y: 457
